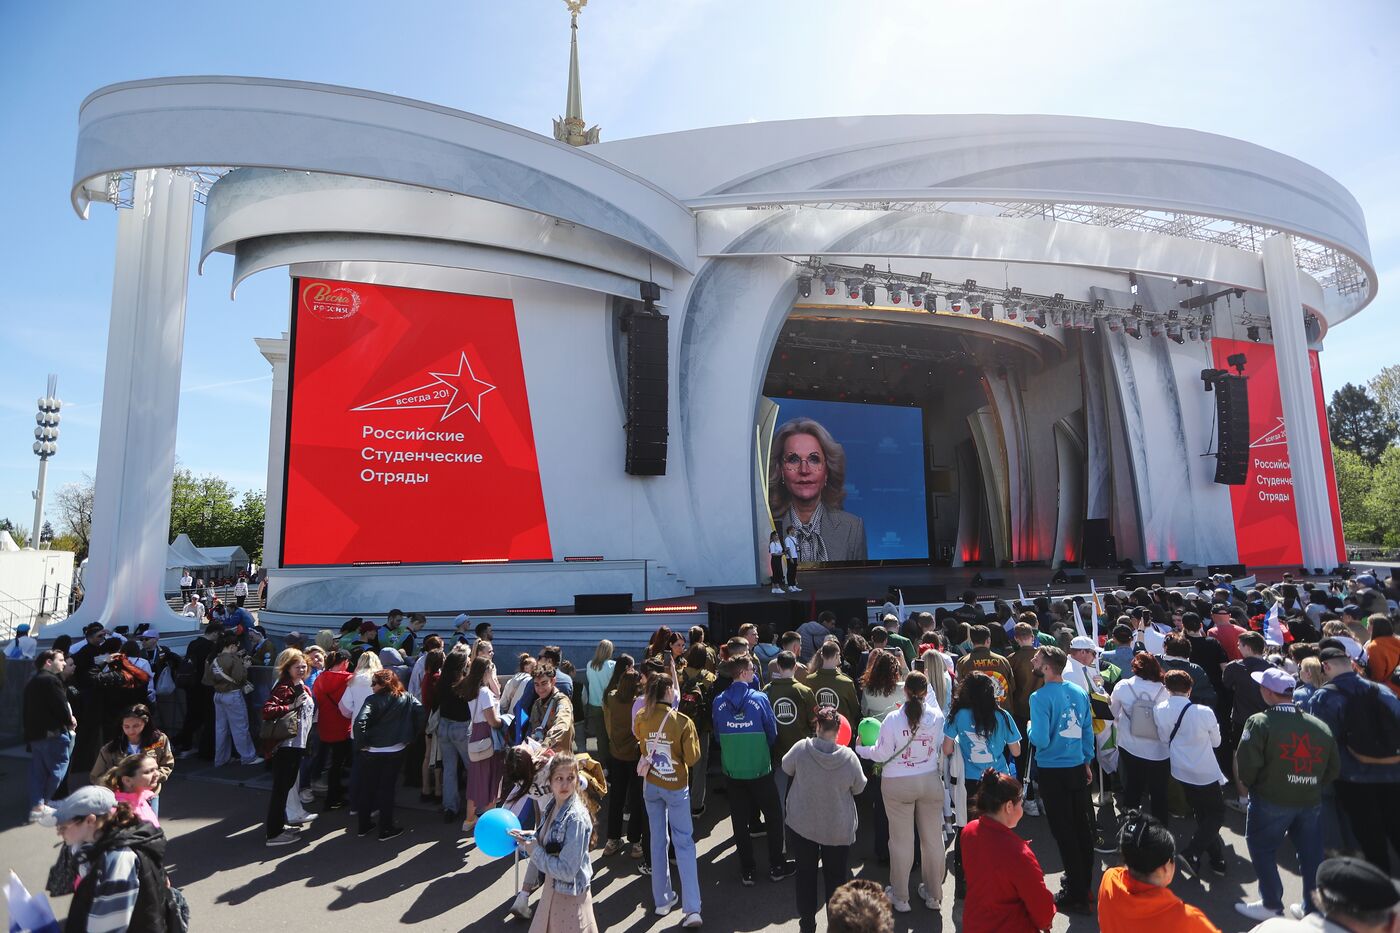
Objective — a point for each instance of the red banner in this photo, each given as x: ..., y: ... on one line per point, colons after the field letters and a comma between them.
x: 1266, y: 517
x: 409, y: 433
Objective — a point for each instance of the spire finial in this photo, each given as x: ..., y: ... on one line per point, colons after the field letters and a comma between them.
x: 570, y: 128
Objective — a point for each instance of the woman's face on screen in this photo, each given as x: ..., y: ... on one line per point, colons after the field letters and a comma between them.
x: 804, y: 467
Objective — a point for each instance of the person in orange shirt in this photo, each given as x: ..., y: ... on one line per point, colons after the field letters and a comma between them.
x: 1382, y: 651
x: 1134, y: 896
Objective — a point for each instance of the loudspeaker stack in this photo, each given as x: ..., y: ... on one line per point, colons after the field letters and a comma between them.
x: 647, y: 392
x: 1232, y: 416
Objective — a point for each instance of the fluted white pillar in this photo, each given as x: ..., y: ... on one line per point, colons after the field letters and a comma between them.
x: 1310, y: 493
x: 275, y: 351
x: 124, y: 582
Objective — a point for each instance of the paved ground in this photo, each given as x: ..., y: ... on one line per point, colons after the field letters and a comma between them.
x: 432, y: 878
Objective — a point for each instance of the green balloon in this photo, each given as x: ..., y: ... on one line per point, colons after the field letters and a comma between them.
x: 869, y: 730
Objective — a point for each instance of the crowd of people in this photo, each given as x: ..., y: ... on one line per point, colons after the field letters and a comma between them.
x: 1112, y: 716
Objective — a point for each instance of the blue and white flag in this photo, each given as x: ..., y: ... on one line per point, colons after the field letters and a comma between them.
x: 29, y: 913
x: 1273, y: 625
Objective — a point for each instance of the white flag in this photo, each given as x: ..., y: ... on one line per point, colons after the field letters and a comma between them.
x: 1078, y: 618
x: 1024, y: 601
x: 902, y: 613
x: 1273, y: 626
x: 1094, y: 609
x: 28, y: 912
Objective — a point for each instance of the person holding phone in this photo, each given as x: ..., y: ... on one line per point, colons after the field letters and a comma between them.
x: 559, y: 849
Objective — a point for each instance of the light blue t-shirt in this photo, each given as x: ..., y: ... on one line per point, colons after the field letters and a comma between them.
x: 981, y: 752
x: 1061, y: 727
x: 597, y: 680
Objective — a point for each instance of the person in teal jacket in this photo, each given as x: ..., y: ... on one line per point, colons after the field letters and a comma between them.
x: 746, y: 729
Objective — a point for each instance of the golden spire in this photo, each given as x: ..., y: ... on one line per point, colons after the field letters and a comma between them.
x: 570, y: 128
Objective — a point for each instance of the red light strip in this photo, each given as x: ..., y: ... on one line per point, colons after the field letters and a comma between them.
x: 671, y: 609
x: 542, y: 611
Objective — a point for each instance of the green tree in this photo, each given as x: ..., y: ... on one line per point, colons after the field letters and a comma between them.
x: 210, y: 510
x: 1357, y: 423
x: 1385, y: 388
x: 1383, y: 500
x: 1354, y: 477
x: 73, y: 509
x: 19, y: 533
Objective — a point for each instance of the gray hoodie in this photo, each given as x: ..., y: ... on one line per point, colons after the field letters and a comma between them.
x: 821, y: 802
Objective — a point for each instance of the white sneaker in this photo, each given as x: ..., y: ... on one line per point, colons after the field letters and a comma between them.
x: 250, y: 762
x: 691, y: 921
x: 899, y: 906
x: 306, y: 795
x: 1295, y: 911
x: 520, y: 907
x: 666, y: 906
x: 777, y: 591
x: 929, y: 901
x: 1031, y: 807
x: 41, y: 813
x: 302, y: 817
x: 285, y: 839
x: 794, y: 589
x: 1255, y: 910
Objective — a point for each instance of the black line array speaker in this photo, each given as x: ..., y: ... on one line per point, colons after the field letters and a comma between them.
x: 1235, y: 571
x: 648, y: 392
x: 919, y: 594
x: 1232, y: 416
x: 602, y: 604
x: 1145, y: 579
x: 726, y: 617
x: 1100, y: 549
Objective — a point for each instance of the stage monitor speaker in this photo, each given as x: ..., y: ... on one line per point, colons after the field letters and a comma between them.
x: 1076, y: 576
x: 1236, y: 571
x: 726, y: 617
x: 602, y: 604
x: 648, y: 392
x: 846, y: 608
x: 1232, y: 433
x: 1145, y: 579
x: 1100, y: 550
x: 920, y: 594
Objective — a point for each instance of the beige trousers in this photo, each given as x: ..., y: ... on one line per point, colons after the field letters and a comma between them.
x: 909, y: 802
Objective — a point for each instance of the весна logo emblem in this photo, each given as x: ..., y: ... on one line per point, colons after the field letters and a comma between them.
x: 330, y: 303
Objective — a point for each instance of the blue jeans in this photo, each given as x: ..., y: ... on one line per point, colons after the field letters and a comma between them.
x: 668, y: 813
x: 453, y: 737
x: 1265, y: 825
x: 47, y: 766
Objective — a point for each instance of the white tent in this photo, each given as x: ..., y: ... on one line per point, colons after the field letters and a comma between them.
x: 183, y: 555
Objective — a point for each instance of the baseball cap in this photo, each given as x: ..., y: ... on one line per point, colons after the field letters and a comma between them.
x: 1366, y: 580
x: 85, y: 801
x: 1274, y: 679
x: 92, y: 628
x: 1359, y: 883
x: 1352, y: 609
x: 1082, y: 643
x: 22, y: 628
x: 152, y: 631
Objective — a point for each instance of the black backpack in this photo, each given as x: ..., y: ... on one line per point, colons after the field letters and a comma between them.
x: 1370, y: 729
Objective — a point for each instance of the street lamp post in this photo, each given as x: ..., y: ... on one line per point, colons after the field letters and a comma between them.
x: 45, y: 446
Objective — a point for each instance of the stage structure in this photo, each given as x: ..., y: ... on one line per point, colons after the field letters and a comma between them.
x: 519, y: 369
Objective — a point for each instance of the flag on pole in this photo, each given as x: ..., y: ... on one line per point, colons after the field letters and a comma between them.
x: 1024, y: 601
x: 1273, y: 625
x: 902, y: 613
x: 1097, y: 610
x: 1078, y: 618
x: 29, y: 912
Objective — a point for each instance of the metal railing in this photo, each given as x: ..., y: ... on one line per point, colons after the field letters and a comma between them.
x: 51, y: 605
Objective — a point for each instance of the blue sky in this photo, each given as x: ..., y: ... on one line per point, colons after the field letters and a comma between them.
x: 1315, y: 81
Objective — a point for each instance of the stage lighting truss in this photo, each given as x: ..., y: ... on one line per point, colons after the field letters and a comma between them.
x: 863, y: 283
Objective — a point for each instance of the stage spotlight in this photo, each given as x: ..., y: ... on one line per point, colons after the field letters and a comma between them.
x: 895, y: 292
x: 916, y: 296
x: 1012, y: 311
x: 829, y: 283
x: 986, y: 310
x: 853, y: 288
x: 1039, y: 319
x: 1115, y: 323
x: 1154, y: 329
x: 804, y: 286
x: 1193, y: 333
x: 867, y: 294
x: 1132, y: 282
x: 1252, y: 331
x: 1174, y: 333
x: 1133, y: 328
x: 1238, y: 361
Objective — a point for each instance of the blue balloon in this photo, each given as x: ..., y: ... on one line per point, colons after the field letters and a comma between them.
x: 493, y: 832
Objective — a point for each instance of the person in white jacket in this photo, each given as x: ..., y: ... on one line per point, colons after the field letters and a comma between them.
x: 1142, y: 754
x: 1192, y: 734
x: 909, y: 754
x: 359, y: 689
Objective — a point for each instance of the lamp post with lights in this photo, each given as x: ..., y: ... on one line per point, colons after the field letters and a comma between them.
x: 45, y: 446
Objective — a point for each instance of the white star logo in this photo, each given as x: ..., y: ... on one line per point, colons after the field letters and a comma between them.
x: 451, y: 392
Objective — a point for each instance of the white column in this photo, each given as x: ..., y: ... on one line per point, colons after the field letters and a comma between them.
x: 1295, y: 384
x: 275, y: 351
x: 124, y: 583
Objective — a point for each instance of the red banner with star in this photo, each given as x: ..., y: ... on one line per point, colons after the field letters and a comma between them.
x: 409, y: 434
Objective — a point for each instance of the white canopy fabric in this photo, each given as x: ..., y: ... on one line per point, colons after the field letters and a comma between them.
x: 183, y: 553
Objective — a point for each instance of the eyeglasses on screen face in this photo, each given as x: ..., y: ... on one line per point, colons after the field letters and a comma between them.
x: 793, y: 461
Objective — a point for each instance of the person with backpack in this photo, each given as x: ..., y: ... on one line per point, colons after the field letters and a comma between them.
x: 1143, y: 760
x: 121, y: 883
x: 669, y: 749
x: 227, y: 674
x: 1284, y: 760
x: 1383, y: 652
x: 1192, y: 734
x: 697, y: 690
x: 1365, y: 719
x: 747, y: 730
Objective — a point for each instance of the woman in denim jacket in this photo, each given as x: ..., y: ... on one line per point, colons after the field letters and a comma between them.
x: 559, y: 849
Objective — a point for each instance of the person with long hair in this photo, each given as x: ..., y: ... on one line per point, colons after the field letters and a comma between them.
x: 139, y: 734
x: 1134, y: 896
x: 669, y: 748
x: 658, y: 646
x: 807, y: 491
x: 908, y: 754
x: 559, y: 850
x: 821, y: 817
x: 775, y: 564
x: 697, y: 686
x: 384, y: 726
x: 332, y: 726
x: 981, y: 734
x: 882, y: 691
x: 484, y: 763
x: 121, y: 881
x: 1143, y: 759
x: 454, y: 730
x: 133, y: 781
x: 624, y: 786
x: 290, y: 697
x: 1004, y: 879
x: 597, y: 675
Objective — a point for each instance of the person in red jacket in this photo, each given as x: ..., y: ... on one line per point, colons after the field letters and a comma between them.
x: 1004, y: 879
x: 332, y: 727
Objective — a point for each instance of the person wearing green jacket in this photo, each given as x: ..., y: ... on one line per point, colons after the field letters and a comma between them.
x: 793, y: 704
x: 831, y: 687
x: 1284, y: 759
